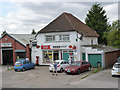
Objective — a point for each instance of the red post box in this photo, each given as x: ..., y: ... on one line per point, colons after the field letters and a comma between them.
x: 37, y: 60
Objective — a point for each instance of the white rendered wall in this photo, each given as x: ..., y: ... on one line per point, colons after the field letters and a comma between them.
x: 87, y: 41
x: 41, y: 40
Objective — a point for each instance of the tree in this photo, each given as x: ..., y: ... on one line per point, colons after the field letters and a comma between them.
x: 113, y: 37
x: 33, y: 32
x: 3, y: 32
x: 97, y: 20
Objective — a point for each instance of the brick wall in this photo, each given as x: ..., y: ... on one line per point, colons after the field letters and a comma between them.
x: 15, y: 45
x: 111, y: 57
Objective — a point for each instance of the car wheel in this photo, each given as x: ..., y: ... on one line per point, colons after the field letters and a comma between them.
x: 78, y: 71
x: 89, y: 68
x: 61, y: 70
x: 23, y: 69
x: 34, y: 67
x: 15, y: 70
x: 113, y: 75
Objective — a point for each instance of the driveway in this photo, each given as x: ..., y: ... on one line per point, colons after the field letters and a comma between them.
x: 42, y: 78
x: 102, y: 79
x: 38, y: 78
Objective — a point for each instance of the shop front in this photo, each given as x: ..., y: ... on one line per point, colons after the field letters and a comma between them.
x: 57, y: 52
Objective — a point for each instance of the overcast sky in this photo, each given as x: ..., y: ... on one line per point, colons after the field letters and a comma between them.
x: 22, y: 17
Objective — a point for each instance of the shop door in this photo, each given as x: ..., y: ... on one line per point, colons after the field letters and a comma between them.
x: 56, y: 56
x: 7, y: 57
x: 94, y: 59
x: 66, y: 56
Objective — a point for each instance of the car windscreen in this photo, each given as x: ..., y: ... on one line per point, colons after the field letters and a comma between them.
x: 56, y: 62
x: 76, y: 64
x: 18, y: 63
x: 117, y: 65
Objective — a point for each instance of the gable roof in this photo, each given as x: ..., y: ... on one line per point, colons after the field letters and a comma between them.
x: 67, y: 22
x: 23, y: 39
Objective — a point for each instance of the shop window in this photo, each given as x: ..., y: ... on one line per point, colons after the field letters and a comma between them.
x: 21, y: 55
x: 70, y: 50
x: 47, y: 56
x: 65, y: 51
x: 50, y: 38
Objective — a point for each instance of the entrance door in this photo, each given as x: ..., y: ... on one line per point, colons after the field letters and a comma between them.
x: 56, y: 55
x: 7, y: 57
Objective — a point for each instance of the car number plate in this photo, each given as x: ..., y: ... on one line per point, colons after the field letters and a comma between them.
x: 117, y: 72
x: 17, y: 65
x: 68, y: 70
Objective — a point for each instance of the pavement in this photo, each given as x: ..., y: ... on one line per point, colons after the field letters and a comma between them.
x: 42, y: 78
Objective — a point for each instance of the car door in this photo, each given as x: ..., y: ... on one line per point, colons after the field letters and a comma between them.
x: 24, y: 64
x: 83, y: 66
x: 87, y: 65
x: 62, y: 64
x: 28, y: 64
x: 66, y: 64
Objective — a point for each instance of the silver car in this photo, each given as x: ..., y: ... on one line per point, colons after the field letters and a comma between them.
x: 116, y: 69
x: 61, y: 65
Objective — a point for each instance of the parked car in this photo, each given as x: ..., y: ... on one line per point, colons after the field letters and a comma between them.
x: 116, y: 69
x: 77, y: 67
x: 23, y: 65
x: 61, y: 65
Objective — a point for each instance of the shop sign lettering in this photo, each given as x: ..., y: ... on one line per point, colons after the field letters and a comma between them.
x: 6, y: 44
x: 45, y: 46
x: 60, y: 47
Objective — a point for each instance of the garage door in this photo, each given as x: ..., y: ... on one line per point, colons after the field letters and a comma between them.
x: 94, y: 59
x: 7, y: 57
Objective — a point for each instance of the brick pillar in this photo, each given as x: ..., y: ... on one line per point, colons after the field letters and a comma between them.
x: 14, y: 54
x: 27, y: 51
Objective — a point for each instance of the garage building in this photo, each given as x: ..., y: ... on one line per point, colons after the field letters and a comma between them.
x: 13, y: 47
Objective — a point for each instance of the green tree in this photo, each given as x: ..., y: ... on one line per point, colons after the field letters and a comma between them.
x: 113, y: 37
x: 97, y: 20
x: 33, y: 32
x: 3, y: 32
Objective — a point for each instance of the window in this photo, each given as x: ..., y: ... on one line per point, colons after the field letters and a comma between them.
x: 24, y: 62
x: 27, y: 61
x: 64, y: 38
x: 83, y: 63
x: 50, y: 38
x: 34, y: 44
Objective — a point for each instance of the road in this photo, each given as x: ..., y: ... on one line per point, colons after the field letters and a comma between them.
x: 42, y: 78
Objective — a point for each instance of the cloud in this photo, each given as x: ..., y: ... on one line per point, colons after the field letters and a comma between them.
x: 36, y: 15
x: 112, y: 11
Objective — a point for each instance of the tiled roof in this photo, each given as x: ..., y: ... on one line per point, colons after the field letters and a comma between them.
x: 102, y: 47
x: 23, y: 38
x: 67, y: 22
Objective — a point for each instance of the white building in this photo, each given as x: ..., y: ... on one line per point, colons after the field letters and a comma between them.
x: 62, y: 38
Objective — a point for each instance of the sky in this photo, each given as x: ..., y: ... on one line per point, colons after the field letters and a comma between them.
x: 24, y: 16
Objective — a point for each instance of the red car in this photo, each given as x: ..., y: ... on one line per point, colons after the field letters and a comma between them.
x: 77, y: 67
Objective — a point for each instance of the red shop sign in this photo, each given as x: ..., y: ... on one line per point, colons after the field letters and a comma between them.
x: 45, y: 46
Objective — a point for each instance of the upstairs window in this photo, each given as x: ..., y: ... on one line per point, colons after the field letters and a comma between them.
x: 50, y: 38
x: 64, y: 37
